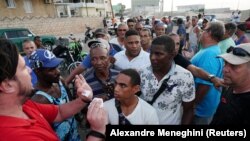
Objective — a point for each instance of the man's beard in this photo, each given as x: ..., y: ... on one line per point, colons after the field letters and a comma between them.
x: 25, y: 92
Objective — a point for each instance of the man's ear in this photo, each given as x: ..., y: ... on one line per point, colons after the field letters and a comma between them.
x: 112, y: 59
x: 37, y: 71
x: 7, y: 86
x: 136, y: 88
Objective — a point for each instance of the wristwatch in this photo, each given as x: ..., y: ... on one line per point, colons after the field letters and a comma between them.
x: 210, y: 77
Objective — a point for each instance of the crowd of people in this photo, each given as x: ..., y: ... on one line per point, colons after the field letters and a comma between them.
x: 142, y: 75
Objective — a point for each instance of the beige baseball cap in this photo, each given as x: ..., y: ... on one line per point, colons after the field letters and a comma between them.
x: 237, y: 55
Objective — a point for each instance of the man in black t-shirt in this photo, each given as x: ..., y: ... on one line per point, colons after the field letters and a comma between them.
x: 235, y: 101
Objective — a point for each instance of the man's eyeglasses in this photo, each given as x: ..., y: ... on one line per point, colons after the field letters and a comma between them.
x: 238, y: 51
x: 95, y: 45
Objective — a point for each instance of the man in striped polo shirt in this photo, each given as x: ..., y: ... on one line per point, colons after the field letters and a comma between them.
x: 100, y: 77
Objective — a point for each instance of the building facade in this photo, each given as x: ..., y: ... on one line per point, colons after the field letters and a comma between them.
x: 194, y: 8
x: 55, y: 8
x: 143, y: 7
x: 26, y: 8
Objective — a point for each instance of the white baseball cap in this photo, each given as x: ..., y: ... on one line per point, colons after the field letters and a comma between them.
x: 237, y: 55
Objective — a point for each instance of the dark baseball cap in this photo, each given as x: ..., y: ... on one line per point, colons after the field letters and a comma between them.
x: 100, y: 31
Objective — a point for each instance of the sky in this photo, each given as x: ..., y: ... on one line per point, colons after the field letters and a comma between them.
x: 209, y: 4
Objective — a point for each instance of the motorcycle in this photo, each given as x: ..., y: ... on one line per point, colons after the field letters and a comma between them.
x: 89, y: 34
x: 71, y: 52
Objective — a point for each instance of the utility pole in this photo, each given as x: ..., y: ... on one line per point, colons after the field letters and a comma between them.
x: 172, y: 8
x: 161, y: 6
x: 86, y: 8
x: 111, y: 9
x: 238, y: 5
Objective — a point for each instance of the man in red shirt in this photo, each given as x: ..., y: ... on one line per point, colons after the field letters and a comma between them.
x: 24, y: 120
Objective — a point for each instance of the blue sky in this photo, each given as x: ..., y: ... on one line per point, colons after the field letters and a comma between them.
x: 232, y: 4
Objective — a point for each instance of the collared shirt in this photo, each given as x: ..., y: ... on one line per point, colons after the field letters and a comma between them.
x: 140, y: 61
x: 97, y: 85
x: 36, y: 128
x: 207, y: 60
x: 169, y: 104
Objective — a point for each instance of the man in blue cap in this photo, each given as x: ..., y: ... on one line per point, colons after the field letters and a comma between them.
x: 51, y: 90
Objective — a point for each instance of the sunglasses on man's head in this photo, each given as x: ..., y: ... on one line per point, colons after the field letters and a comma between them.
x: 95, y: 45
x: 99, y: 35
x: 238, y: 51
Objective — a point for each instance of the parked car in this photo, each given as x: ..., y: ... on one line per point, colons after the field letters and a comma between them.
x: 211, y: 18
x: 18, y: 35
x: 248, y: 24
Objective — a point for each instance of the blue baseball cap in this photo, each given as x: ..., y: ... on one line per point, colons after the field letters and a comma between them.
x: 42, y: 58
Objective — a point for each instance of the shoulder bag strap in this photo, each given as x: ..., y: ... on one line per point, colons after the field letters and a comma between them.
x: 161, y: 89
x: 122, y: 119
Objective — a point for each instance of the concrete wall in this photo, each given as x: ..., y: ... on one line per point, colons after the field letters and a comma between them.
x: 53, y: 26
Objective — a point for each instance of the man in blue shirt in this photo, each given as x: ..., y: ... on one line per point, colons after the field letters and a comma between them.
x: 29, y: 47
x: 207, y: 96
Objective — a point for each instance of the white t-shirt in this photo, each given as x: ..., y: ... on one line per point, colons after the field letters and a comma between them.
x: 138, y: 62
x: 143, y: 114
x: 115, y: 41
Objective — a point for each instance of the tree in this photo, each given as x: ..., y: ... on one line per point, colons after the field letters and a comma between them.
x: 122, y: 9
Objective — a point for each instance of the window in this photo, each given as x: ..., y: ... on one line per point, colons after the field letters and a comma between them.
x: 11, y: 34
x: 23, y: 33
x: 27, y: 4
x: 10, y: 3
x: 18, y: 34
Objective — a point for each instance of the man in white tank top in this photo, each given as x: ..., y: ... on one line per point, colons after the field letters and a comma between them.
x: 194, y: 34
